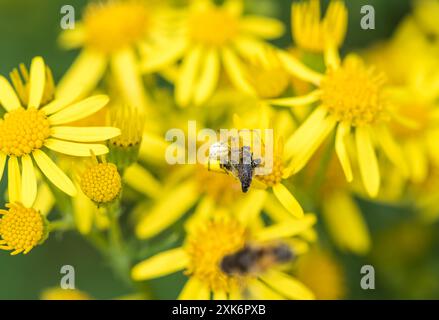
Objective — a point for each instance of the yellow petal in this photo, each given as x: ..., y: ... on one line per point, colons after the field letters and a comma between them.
x: 345, y: 223
x: 56, y: 105
x: 2, y: 164
x: 208, y: 78
x: 8, y: 97
x: 168, y: 210
x: 367, y: 161
x: 332, y: 58
x: 84, y: 134
x: 74, y: 148
x: 84, y: 211
x: 287, y: 228
x: 203, y: 212
x: 250, y: 207
x: 158, y: 59
x: 45, y: 199
x: 73, y: 38
x: 309, y: 98
x: 313, y: 143
x: 340, y: 148
x: 14, y: 180
x: 79, y: 110
x: 185, y: 85
x: 235, y: 71
x: 128, y: 78
x: 287, y: 199
x: 194, y: 289
x: 160, y: 265
x: 392, y: 149
x: 54, y: 173
x: 143, y: 181
x: 263, y: 27
x: 37, y: 82
x: 302, y: 135
x: 298, y: 69
x: 287, y: 285
x: 259, y: 290
x: 219, y: 295
x: 82, y: 77
x: 418, y: 161
x: 29, y: 182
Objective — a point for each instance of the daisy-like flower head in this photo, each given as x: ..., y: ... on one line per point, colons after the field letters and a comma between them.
x: 310, y: 32
x: 21, y: 228
x: 218, y: 37
x: 112, y: 33
x: 203, y: 252
x: 33, y: 124
x: 351, y: 100
x: 101, y: 182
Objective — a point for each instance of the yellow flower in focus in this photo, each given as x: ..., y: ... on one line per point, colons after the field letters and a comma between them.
x: 112, y: 34
x: 21, y: 228
x: 312, y: 33
x: 216, y: 38
x: 32, y: 124
x: 350, y: 101
x: 204, y: 249
x: 101, y: 182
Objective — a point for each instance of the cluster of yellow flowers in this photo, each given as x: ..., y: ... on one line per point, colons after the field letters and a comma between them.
x: 362, y: 125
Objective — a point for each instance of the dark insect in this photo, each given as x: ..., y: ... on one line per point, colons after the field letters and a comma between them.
x: 255, y: 259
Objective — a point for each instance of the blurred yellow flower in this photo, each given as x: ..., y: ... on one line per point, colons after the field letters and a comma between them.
x: 64, y: 294
x: 215, y: 37
x: 113, y: 33
x: 24, y: 132
x: 203, y: 251
x: 312, y: 33
x: 323, y: 274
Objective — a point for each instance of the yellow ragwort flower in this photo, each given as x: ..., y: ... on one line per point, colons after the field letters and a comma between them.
x: 113, y: 33
x: 351, y: 100
x: 21, y: 228
x: 203, y: 251
x: 32, y: 124
x: 217, y: 37
x: 101, y: 182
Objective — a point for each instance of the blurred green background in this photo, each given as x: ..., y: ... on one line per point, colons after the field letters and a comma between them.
x: 406, y: 267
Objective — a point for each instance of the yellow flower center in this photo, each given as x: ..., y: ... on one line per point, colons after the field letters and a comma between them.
x: 101, y: 182
x: 114, y: 25
x: 269, y: 83
x: 21, y: 228
x: 212, y: 27
x: 22, y: 131
x: 208, y: 246
x: 353, y: 93
x: 275, y: 176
